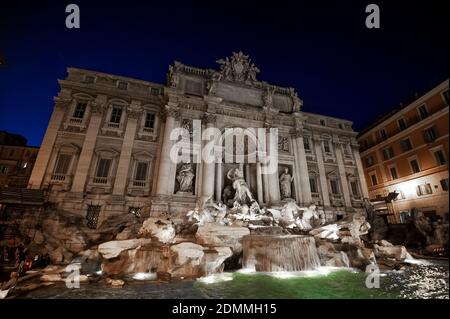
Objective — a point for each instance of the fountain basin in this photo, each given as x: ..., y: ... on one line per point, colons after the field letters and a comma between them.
x: 273, y: 253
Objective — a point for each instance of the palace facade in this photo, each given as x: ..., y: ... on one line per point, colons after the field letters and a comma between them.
x: 406, y: 152
x: 107, y: 148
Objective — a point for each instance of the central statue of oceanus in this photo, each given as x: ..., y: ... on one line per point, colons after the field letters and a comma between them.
x: 242, y: 192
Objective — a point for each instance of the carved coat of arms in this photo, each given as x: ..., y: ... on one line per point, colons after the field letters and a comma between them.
x: 238, y: 68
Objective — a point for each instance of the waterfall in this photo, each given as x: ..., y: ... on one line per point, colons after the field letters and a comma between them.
x: 279, y: 253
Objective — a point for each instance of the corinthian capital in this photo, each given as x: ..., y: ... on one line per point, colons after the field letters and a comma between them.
x: 171, y: 111
x: 209, y: 118
x: 61, y: 103
x: 97, y: 107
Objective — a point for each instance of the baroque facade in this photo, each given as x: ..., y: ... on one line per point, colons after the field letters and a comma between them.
x: 107, y: 148
x: 407, y: 152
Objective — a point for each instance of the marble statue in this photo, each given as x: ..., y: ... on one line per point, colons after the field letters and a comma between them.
x: 285, y: 184
x: 243, y: 194
x: 307, y: 220
x: 185, y: 178
x: 239, y: 68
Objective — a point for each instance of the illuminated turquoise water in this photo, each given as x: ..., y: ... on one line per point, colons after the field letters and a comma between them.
x: 415, y: 282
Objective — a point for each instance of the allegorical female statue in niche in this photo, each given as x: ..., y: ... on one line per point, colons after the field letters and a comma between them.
x: 285, y: 184
x: 185, y: 178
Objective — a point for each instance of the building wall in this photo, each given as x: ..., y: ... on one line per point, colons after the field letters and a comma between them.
x: 373, y: 145
x: 16, y: 165
x: 185, y: 98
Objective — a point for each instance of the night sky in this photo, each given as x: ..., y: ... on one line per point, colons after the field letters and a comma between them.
x: 339, y: 67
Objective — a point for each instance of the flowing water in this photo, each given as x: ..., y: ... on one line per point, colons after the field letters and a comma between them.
x: 417, y: 281
x: 270, y: 253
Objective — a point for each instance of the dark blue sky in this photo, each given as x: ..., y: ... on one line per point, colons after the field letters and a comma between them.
x: 338, y: 66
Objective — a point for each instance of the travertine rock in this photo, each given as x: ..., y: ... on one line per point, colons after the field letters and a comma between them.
x: 113, y: 248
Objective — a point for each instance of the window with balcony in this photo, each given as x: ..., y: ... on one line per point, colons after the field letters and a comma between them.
x: 323, y: 123
x: 440, y: 157
x: 388, y: 153
x: 141, y: 171
x: 62, y: 164
x: 326, y: 146
x: 334, y: 186
x: 446, y: 97
x: 383, y: 134
x: 406, y: 144
x: 369, y: 161
x: 354, y: 187
x: 149, y: 124
x: 89, y: 79
x: 444, y: 184
x: 306, y: 144
x: 430, y: 134
x: 414, y: 164
x: 116, y: 114
x: 373, y: 179
x: 102, y: 171
x: 79, y: 111
x: 154, y: 91
x: 313, y: 184
x: 402, y: 124
x: 423, y: 111
x: 393, y: 172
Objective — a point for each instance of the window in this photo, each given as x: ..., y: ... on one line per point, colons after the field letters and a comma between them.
x: 341, y: 126
x: 4, y: 170
x: 354, y: 187
x: 11, y: 153
x: 406, y: 144
x: 154, y: 91
x: 326, y: 146
x: 383, y: 134
x: 393, y: 171
x: 116, y: 114
x: 365, y: 144
x: 402, y: 123
x: 62, y: 164
x: 444, y: 183
x: 322, y: 122
x: 369, y: 161
x: 424, y: 189
x: 423, y: 112
x: 388, y: 153
x: 141, y: 171
x: 446, y: 98
x: 373, y: 179
x: 89, y: 79
x: 440, y: 157
x: 103, y: 167
x: 150, y: 120
x: 79, y: 110
x: 334, y: 187
x: 313, y: 185
x: 414, y: 166
x: 306, y: 144
x: 430, y: 134
x: 122, y: 85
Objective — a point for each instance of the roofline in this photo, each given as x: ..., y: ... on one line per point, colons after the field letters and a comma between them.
x: 71, y: 69
x: 377, y: 124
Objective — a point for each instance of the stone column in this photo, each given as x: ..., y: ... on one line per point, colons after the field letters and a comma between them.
x: 359, y: 167
x: 165, y: 162
x: 219, y: 181
x: 45, y: 151
x: 342, y: 173
x: 123, y: 167
x: 305, y: 187
x: 322, y: 174
x: 208, y: 168
x: 274, y: 186
x: 90, y: 139
x: 259, y: 183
